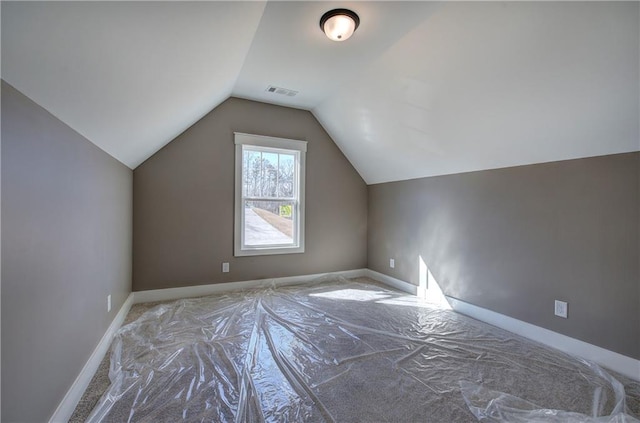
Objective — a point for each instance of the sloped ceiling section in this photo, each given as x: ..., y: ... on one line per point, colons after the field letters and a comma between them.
x: 422, y: 88
x: 488, y: 85
x: 129, y: 76
x: 289, y: 49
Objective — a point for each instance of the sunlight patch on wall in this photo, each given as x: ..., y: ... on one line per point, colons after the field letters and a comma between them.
x: 428, y: 287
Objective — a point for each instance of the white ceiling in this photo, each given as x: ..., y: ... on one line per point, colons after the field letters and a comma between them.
x: 129, y: 76
x: 421, y: 89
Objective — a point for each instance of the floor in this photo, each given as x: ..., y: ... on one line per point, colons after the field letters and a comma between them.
x: 100, y: 381
x: 338, y: 351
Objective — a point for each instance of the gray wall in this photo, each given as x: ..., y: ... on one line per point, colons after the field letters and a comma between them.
x: 184, y: 196
x: 513, y: 240
x: 66, y: 244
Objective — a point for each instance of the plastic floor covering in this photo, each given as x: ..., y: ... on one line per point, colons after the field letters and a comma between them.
x: 341, y: 351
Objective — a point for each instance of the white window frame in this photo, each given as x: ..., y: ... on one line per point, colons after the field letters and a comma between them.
x: 276, y: 145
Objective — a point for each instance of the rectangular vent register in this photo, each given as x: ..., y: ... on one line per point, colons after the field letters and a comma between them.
x: 281, y: 91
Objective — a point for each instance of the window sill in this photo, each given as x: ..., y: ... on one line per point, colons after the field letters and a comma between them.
x: 268, y: 251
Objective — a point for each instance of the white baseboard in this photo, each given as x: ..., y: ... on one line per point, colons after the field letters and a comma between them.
x: 403, y: 286
x: 74, y: 394
x: 620, y: 363
x: 202, y: 290
x: 625, y: 365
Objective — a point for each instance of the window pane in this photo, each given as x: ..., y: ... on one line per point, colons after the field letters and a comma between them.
x: 268, y: 223
x: 269, y: 174
x: 286, y: 173
x: 252, y: 173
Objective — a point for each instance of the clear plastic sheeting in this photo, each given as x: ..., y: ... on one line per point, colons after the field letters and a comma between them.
x: 492, y: 406
x: 339, y: 351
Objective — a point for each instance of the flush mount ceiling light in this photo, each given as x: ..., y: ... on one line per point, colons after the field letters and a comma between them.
x: 339, y: 24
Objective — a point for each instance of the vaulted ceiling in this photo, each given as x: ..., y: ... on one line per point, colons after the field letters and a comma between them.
x: 421, y: 89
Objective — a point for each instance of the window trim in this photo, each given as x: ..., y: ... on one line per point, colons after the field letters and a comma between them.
x: 261, y: 141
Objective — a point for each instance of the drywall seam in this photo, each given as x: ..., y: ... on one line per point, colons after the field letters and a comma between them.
x: 620, y: 363
x: 201, y: 290
x: 70, y: 401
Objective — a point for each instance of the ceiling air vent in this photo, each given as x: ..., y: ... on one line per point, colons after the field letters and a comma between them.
x: 281, y: 91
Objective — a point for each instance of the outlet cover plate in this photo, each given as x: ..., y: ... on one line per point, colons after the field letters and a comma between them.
x: 561, y: 308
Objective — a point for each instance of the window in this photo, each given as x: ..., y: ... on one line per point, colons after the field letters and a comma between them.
x: 269, y: 203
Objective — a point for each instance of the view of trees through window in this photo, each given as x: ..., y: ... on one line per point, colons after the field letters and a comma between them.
x: 269, y: 191
x: 268, y: 175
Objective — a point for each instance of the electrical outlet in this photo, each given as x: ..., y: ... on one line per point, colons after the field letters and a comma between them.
x: 392, y: 263
x: 225, y: 267
x: 561, y: 309
x: 108, y: 303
